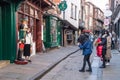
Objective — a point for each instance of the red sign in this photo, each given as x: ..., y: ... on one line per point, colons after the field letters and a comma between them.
x: 106, y: 21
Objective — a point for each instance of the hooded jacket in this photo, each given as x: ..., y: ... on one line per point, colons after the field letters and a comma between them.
x: 86, y: 47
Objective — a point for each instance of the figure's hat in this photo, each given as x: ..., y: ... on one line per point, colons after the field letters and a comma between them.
x: 25, y: 19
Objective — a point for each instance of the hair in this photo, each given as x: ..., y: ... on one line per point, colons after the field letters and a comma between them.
x: 107, y: 32
x: 103, y: 32
x: 82, y: 38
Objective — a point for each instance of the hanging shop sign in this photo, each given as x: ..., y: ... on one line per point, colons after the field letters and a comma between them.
x: 62, y: 6
x: 107, y: 13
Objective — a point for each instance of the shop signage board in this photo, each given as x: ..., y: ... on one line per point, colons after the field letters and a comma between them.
x: 62, y: 6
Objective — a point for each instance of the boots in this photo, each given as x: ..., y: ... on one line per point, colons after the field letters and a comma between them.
x: 89, y: 70
x: 82, y: 70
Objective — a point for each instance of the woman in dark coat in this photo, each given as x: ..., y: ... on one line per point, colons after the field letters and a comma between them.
x: 104, y: 44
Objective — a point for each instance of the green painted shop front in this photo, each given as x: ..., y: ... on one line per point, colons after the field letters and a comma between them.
x: 51, y: 32
x: 8, y: 29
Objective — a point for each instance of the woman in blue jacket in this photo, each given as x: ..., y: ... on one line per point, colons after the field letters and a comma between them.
x: 86, y: 46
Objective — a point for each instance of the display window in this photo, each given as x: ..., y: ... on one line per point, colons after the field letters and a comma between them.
x: 69, y: 35
x: 53, y: 30
x: 31, y: 13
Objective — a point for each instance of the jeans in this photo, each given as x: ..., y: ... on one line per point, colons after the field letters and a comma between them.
x: 103, y: 56
x: 86, y: 59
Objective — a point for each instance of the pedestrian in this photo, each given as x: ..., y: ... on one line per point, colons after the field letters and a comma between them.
x: 91, y: 38
x: 28, y: 45
x: 104, y: 45
x: 98, y: 47
x: 113, y: 39
x: 108, y: 52
x: 86, y: 46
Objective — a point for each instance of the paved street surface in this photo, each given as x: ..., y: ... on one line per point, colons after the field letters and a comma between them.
x: 70, y: 66
x: 112, y: 72
x: 69, y: 69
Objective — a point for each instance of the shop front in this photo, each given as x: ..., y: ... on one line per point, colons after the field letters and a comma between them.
x: 8, y: 29
x: 52, y: 32
x: 10, y: 19
x: 33, y: 10
x: 33, y: 15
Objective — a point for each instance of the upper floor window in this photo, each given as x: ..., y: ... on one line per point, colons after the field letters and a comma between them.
x: 73, y: 11
x: 91, y: 9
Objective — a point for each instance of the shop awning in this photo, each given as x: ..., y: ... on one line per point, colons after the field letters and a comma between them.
x: 67, y: 24
x: 43, y: 3
x: 48, y: 14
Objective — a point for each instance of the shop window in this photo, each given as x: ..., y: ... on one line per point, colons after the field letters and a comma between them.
x: 26, y: 8
x: 31, y: 11
x: 53, y: 30
x: 27, y: 18
x: 31, y: 22
x: 69, y: 35
x: 21, y: 8
x: 20, y: 16
x: 36, y: 14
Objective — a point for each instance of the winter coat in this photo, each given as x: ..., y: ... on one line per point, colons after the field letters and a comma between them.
x: 104, y: 44
x: 87, y: 47
x: 108, y: 51
x: 98, y: 47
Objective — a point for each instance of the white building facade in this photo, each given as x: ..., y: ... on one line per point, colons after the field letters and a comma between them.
x: 70, y: 22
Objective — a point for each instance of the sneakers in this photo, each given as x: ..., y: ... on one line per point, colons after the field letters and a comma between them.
x: 107, y: 64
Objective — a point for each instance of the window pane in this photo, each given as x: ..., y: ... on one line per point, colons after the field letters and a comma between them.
x: 31, y: 11
x: 21, y: 8
x: 26, y: 8
x: 71, y: 10
x: 31, y: 22
x: 53, y: 30
x: 36, y: 14
x: 20, y: 16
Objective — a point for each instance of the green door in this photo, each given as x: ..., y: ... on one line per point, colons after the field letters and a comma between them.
x: 8, y: 42
x: 0, y: 34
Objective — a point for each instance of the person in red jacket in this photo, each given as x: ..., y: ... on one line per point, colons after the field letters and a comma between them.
x: 99, y: 48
